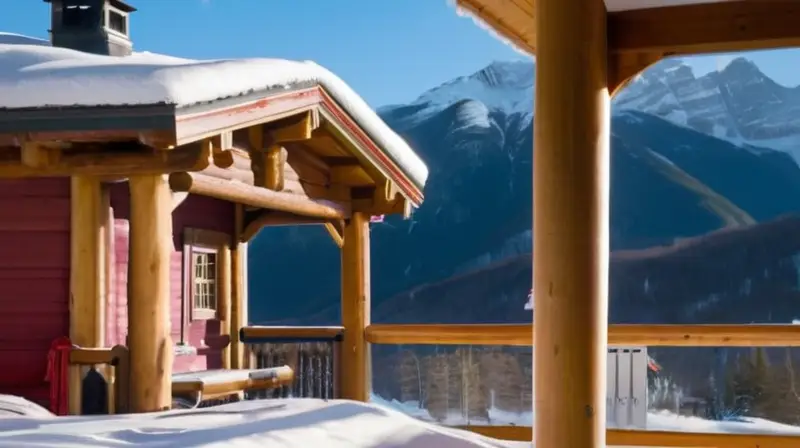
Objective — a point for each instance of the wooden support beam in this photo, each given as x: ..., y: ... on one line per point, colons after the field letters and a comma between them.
x: 351, y: 175
x: 224, y: 300
x: 89, y: 224
x: 355, y: 356
x: 238, y: 288
x: 623, y: 67
x: 706, y: 27
x: 257, y: 197
x: 274, y: 165
x: 295, y: 128
x: 34, y: 155
x: 336, y: 231
x: 222, y: 145
x: 151, y: 348
x: 270, y: 218
x: 36, y: 161
x: 570, y: 223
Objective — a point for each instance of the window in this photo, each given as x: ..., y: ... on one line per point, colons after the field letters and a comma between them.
x: 204, y: 287
x: 202, y: 250
x: 117, y: 22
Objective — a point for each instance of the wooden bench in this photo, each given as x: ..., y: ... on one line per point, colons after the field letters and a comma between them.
x: 212, y: 384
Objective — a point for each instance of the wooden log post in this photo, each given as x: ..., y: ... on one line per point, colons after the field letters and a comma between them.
x: 224, y: 296
x: 151, y: 349
x: 89, y: 224
x: 238, y: 301
x: 356, y: 375
x: 570, y: 224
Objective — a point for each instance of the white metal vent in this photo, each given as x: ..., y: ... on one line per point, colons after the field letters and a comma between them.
x: 626, y: 394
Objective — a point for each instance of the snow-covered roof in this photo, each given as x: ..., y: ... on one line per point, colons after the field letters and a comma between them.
x: 36, y: 76
x: 19, y: 39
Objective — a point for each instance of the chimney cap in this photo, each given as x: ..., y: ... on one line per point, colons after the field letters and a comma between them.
x: 119, y: 4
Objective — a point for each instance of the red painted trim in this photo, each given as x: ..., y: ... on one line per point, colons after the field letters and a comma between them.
x: 313, y: 96
x: 345, y: 120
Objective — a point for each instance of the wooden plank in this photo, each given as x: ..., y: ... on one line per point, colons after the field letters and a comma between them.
x: 571, y: 178
x: 90, y: 220
x: 355, y: 361
x: 151, y: 348
x: 712, y: 335
x: 707, y: 27
x: 256, y: 197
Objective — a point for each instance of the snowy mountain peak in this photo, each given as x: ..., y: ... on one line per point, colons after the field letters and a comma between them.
x: 503, y: 86
x: 741, y: 65
x: 737, y: 103
x: 507, y: 74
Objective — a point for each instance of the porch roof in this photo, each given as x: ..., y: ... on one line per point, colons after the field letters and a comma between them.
x: 163, y: 101
x: 666, y: 26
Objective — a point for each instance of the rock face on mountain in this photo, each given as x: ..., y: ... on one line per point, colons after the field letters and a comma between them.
x: 685, y: 162
x: 738, y: 103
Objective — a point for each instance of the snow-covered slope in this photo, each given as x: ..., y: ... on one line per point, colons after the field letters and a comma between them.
x: 738, y: 103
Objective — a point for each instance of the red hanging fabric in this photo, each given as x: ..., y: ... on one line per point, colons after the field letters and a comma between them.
x: 58, y: 375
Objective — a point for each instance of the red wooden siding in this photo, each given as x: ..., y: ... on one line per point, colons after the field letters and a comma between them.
x: 34, y: 280
x: 195, y: 212
x: 117, y: 310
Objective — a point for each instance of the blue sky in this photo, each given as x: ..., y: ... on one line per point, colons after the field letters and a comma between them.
x: 390, y: 51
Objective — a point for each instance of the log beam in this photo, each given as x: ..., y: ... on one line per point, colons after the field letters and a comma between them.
x: 33, y: 160
x: 270, y: 218
x: 570, y: 223
x: 355, y: 355
x: 224, y: 301
x: 89, y: 224
x: 706, y: 27
x: 292, y: 129
x: 203, y: 185
x: 274, y: 166
x: 336, y: 231
x: 151, y: 348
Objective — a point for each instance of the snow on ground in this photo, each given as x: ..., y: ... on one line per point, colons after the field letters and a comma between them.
x: 33, y: 75
x: 656, y: 421
x: 301, y: 423
x: 289, y: 423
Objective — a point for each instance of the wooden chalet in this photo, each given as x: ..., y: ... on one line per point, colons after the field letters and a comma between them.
x: 586, y: 50
x: 127, y: 224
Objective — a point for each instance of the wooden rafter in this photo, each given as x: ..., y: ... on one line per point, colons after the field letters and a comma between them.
x: 268, y: 155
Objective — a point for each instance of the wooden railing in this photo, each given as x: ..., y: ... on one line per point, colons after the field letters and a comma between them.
x: 113, y: 379
x: 311, y: 352
x: 623, y: 334
x: 521, y: 335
